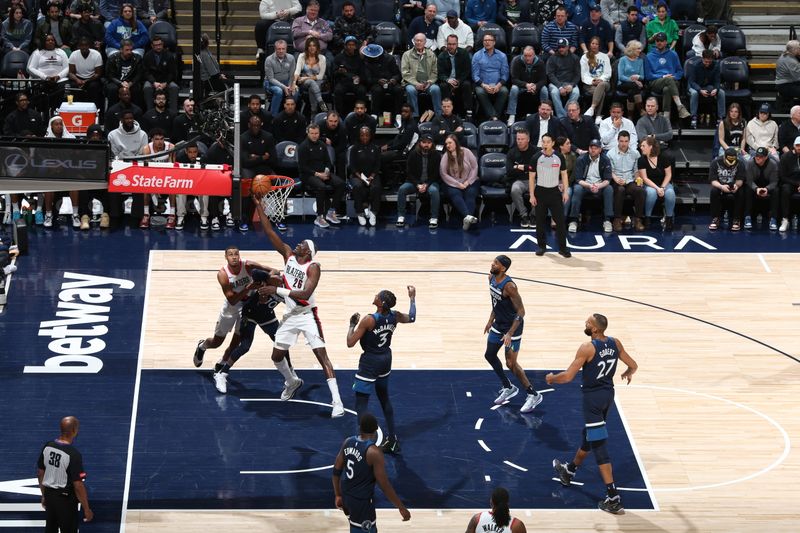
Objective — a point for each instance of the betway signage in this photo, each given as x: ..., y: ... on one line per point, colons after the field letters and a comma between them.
x: 170, y: 178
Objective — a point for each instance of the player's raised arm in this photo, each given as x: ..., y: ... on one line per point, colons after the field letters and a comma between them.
x: 585, y: 352
x: 628, y: 360
x: 412, y: 307
x: 284, y: 249
x: 358, y: 329
x: 375, y: 460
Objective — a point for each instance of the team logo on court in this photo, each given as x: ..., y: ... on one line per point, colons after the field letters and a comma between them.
x: 121, y: 180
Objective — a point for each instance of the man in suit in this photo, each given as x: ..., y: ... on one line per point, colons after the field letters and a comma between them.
x: 541, y: 123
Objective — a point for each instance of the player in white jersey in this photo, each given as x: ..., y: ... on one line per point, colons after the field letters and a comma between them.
x: 300, y: 277
x: 236, y: 282
x: 499, y: 519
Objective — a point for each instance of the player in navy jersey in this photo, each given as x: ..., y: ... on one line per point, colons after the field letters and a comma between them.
x: 505, y: 329
x: 598, y: 359
x: 362, y: 464
x: 375, y: 334
x: 258, y: 310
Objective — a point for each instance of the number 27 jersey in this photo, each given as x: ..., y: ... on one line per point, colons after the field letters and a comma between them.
x: 599, y: 372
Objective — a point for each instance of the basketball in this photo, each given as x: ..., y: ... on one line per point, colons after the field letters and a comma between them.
x: 261, y: 186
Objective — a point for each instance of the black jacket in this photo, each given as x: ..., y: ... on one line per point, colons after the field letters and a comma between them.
x: 521, y: 75
x: 312, y: 157
x: 553, y: 127
x: 289, y: 127
x: 353, y: 123
x: 258, y: 145
x: 463, y: 66
x: 17, y: 122
x: 113, y: 71
x: 364, y: 159
x: 580, y: 133
x: 153, y: 118
x: 338, y: 138
x: 161, y: 70
x: 516, y: 157
x: 404, y: 137
x: 384, y: 67
x: 414, y: 167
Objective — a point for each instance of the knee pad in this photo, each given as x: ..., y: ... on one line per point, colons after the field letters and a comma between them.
x: 601, y: 452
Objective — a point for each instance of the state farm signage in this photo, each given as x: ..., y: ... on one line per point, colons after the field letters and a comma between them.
x: 170, y: 178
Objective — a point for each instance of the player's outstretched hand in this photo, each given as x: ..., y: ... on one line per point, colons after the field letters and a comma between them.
x: 549, y: 378
x: 405, y: 514
x: 412, y: 291
x: 354, y: 320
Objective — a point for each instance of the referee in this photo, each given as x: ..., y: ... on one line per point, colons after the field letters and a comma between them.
x: 61, y: 480
x: 547, y: 168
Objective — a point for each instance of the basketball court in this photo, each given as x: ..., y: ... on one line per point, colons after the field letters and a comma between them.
x: 700, y: 441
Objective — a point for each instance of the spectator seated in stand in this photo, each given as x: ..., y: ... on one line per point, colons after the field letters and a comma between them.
x: 269, y: 11
x: 762, y: 132
x: 289, y: 124
x: 160, y: 74
x: 459, y: 172
x: 382, y: 80
x: 428, y: 25
x: 364, y: 175
x: 761, y: 187
x: 126, y: 27
x: 490, y: 74
x: 455, y: 26
x: 422, y: 178
x: 787, y: 71
x: 707, y: 40
x: 592, y: 178
x: 528, y: 82
x: 311, y: 25
x: 727, y: 176
x: 704, y: 81
x: 454, y: 69
x: 16, y: 32
x: 418, y: 67
x: 662, y: 24
x: 595, y: 76
x: 563, y: 78
x: 151, y: 11
x: 309, y: 74
x: 350, y: 24
x: 316, y: 173
x: 88, y: 27
x: 598, y: 27
x: 663, y: 72
x: 60, y: 27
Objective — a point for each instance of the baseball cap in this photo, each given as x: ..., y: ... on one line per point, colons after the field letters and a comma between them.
x: 730, y: 152
x: 762, y: 152
x: 350, y: 38
x: 661, y: 36
x: 595, y: 142
x: 595, y: 7
x: 426, y: 137
x: 796, y: 139
x: 562, y: 42
x: 764, y: 108
x: 451, y: 14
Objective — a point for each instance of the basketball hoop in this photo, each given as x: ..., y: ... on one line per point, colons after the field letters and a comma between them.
x: 274, y: 202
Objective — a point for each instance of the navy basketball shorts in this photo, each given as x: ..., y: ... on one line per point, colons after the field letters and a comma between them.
x: 270, y: 328
x: 371, y: 368
x: 596, y: 404
x: 497, y: 338
x: 361, y: 514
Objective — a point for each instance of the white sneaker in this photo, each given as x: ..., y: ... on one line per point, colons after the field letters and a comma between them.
x: 332, y: 218
x: 48, y: 220
x: 598, y: 120
x: 221, y: 381
x: 76, y: 222
x: 607, y: 226
x: 433, y: 223
x: 338, y: 410
x: 531, y: 402
x: 321, y: 222
x: 589, y: 112
x: 466, y: 223
x: 401, y: 221
x: 512, y: 119
x: 784, y: 225
x: 371, y: 216
x: 362, y: 220
x: 506, y: 394
x: 289, y: 389
x: 573, y: 227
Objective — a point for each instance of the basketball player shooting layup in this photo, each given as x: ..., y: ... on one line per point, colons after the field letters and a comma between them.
x: 236, y: 281
x: 300, y: 277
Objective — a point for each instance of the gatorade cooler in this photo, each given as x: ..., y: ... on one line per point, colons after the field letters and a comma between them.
x: 78, y: 116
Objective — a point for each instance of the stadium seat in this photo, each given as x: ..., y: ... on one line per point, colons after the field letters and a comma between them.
x: 279, y: 30
x: 683, y: 10
x: 519, y: 125
x: 470, y: 136
x: 734, y: 42
x: 14, y: 62
x: 320, y: 118
x: 166, y: 31
x: 492, y: 174
x: 735, y: 79
x: 287, y: 157
x: 499, y: 36
x: 688, y: 35
x: 525, y: 34
x: 377, y: 11
x: 493, y: 136
x: 388, y: 36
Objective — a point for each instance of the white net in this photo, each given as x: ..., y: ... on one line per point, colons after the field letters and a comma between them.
x: 274, y: 202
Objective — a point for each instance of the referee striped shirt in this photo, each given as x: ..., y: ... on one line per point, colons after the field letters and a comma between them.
x: 548, y: 169
x: 62, y: 464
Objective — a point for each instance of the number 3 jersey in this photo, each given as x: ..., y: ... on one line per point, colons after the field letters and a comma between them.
x: 599, y: 372
x: 295, y: 277
x: 378, y: 340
